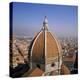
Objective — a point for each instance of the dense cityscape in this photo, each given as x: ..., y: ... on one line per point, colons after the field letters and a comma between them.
x: 34, y: 48
x: 21, y: 48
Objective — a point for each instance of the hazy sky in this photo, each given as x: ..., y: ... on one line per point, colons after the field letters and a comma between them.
x: 28, y: 19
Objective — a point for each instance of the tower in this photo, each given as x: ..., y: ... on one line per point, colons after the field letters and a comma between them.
x: 46, y: 53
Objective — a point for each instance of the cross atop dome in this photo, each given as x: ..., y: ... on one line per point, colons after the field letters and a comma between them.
x: 45, y: 20
x: 45, y: 23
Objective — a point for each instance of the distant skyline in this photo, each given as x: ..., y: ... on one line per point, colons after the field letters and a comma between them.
x: 28, y: 19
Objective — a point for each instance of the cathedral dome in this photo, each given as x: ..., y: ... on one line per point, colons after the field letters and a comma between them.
x: 46, y: 54
x: 45, y: 44
x: 45, y: 49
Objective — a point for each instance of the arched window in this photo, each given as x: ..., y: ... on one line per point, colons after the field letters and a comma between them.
x: 17, y: 59
x: 38, y: 65
x: 53, y: 64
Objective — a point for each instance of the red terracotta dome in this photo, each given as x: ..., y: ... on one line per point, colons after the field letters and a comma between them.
x: 46, y: 50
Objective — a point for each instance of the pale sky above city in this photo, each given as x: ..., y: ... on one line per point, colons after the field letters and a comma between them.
x: 28, y: 19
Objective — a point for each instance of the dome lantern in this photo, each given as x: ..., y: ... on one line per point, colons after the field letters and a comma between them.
x: 45, y: 23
